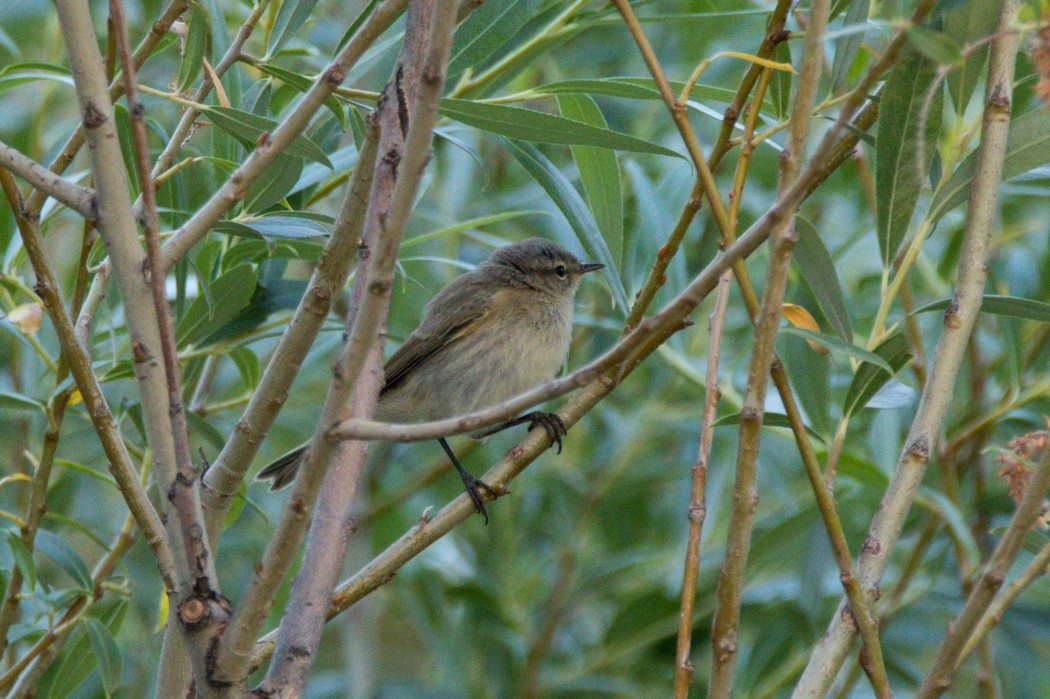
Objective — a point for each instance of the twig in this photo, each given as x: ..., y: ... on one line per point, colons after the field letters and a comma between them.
x: 959, y: 321
x: 202, y: 611
x: 683, y: 668
x: 80, y: 199
x: 949, y: 654
x: 416, y: 90
x: 290, y: 127
x: 994, y: 612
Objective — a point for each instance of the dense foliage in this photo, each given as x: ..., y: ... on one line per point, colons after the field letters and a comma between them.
x: 552, y: 126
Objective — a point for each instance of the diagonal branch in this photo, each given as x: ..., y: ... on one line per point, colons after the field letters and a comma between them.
x: 80, y: 199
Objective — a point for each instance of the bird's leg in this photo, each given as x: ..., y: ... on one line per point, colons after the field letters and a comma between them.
x: 550, y: 422
x: 470, y: 483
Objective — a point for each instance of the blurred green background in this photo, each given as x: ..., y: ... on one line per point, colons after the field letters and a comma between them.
x: 572, y: 590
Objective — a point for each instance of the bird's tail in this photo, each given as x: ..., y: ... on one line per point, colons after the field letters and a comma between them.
x: 281, y: 471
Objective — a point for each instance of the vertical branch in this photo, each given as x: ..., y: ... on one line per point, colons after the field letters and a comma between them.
x: 421, y: 72
x: 683, y: 669
x: 745, y: 494
x: 950, y: 653
x: 959, y: 321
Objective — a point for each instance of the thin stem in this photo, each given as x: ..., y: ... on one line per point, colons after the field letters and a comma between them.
x: 683, y: 669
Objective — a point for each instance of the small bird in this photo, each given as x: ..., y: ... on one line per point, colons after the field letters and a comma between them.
x: 488, y: 335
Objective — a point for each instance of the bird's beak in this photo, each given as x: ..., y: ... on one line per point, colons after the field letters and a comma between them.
x: 591, y: 267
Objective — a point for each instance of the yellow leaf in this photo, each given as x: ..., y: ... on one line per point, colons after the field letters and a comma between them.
x: 764, y: 62
x: 162, y: 612
x: 220, y: 92
x: 14, y: 477
x: 26, y: 317
x: 75, y: 397
x: 801, y: 318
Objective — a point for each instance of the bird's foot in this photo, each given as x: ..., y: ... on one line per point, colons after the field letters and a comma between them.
x: 551, y: 424
x: 474, y: 486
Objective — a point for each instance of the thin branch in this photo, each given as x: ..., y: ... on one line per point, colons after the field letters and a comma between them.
x: 683, y: 668
x: 416, y: 89
x: 80, y: 199
x: 274, y: 144
x: 994, y: 612
x: 949, y: 654
x: 120, y: 463
x: 959, y: 321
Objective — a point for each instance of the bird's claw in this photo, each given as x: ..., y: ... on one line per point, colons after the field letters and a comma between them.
x: 474, y: 486
x: 552, y: 424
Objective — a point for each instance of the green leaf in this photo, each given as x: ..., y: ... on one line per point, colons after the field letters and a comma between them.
x: 19, y: 403
x: 818, y: 272
x: 638, y: 88
x: 1010, y: 306
x: 780, y: 81
x: 599, y: 174
x: 540, y: 127
x: 967, y: 24
x: 248, y: 128
x: 56, y: 548
x: 232, y: 291
x: 768, y: 420
x: 194, y: 48
x: 17, y: 74
x: 572, y: 206
x: 22, y: 556
x: 468, y: 225
x: 247, y: 366
x: 301, y: 83
x: 106, y: 653
x: 847, y: 47
x: 292, y: 15
x: 869, y: 377
x: 486, y: 29
x: 1027, y: 147
x: 936, y: 46
x: 897, y: 179
x: 355, y: 25
x: 839, y: 347
x: 941, y: 506
x: 76, y: 661
x: 274, y: 184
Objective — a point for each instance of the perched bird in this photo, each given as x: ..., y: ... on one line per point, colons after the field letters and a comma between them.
x: 487, y: 336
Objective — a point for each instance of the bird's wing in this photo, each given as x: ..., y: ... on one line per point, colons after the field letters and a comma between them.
x: 449, y: 315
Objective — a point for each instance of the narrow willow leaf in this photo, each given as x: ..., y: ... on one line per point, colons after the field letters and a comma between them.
x: 10, y: 400
x: 232, y: 291
x: 940, y: 505
x: 274, y: 184
x: 897, y: 179
x: 248, y: 128
x: 195, y: 47
x: 106, y: 653
x: 356, y: 24
x: 869, y: 378
x: 301, y: 83
x: 292, y: 15
x: 247, y: 366
x: 936, y: 46
x: 467, y: 225
x: 599, y: 174
x: 847, y: 47
x: 1009, y: 306
x: 1027, y: 147
x: 839, y: 347
x: 639, y: 88
x: 56, y: 548
x: 540, y: 127
x: 568, y: 200
x: 293, y: 227
x: 818, y: 272
x: 966, y: 25
x: 768, y: 420
x: 23, y: 558
x: 780, y: 81
x: 24, y: 73
x: 486, y: 29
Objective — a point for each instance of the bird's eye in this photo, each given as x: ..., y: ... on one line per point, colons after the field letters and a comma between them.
x: 560, y: 271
